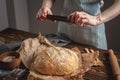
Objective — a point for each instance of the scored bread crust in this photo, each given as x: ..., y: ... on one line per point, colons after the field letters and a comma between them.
x: 39, y: 55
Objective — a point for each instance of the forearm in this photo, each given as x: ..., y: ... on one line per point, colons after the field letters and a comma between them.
x: 110, y: 13
x: 47, y: 3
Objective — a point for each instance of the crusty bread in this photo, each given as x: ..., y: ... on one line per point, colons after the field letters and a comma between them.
x: 39, y: 55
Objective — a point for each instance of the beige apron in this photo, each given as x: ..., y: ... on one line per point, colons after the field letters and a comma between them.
x: 89, y: 35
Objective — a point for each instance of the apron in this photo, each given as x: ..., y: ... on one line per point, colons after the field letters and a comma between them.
x: 89, y: 35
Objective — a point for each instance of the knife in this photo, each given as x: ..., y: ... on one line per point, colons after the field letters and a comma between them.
x: 58, y: 18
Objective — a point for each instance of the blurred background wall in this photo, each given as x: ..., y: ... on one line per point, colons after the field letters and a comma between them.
x: 21, y: 14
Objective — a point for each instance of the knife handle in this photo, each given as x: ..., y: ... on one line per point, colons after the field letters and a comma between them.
x: 58, y: 18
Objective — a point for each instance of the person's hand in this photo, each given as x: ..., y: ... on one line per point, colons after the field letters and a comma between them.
x: 83, y: 18
x: 42, y: 14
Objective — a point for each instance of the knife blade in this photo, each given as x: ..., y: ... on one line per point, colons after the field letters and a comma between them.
x: 58, y: 18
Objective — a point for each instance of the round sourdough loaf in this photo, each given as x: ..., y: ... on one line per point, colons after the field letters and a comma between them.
x: 39, y: 55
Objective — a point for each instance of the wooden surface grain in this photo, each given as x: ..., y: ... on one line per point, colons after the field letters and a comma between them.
x: 95, y: 73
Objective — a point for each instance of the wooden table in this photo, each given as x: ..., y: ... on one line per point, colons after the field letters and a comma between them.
x: 95, y: 73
